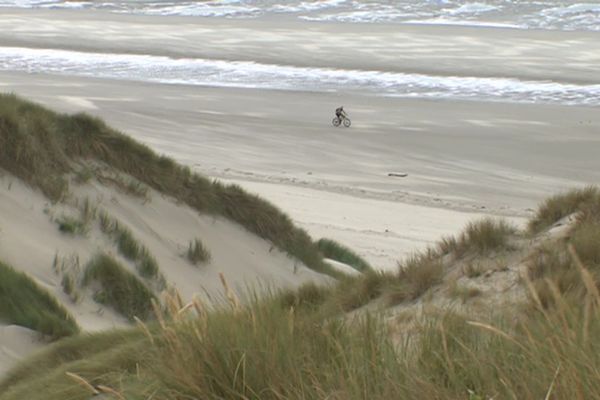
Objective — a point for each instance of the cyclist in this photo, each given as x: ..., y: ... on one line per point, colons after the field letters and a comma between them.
x: 340, y: 113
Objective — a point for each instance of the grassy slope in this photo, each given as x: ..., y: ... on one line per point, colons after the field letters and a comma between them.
x: 546, y: 350
x: 25, y: 303
x: 40, y: 146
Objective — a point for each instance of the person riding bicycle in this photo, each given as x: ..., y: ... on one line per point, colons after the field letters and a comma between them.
x: 340, y: 113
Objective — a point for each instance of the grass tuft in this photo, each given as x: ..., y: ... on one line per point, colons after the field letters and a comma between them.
x: 416, y: 275
x: 118, y: 288
x: 147, y: 266
x: 559, y: 206
x: 486, y: 235
x: 130, y: 248
x: 338, y: 252
x: 356, y: 291
x: 197, y: 253
x: 552, y: 269
x: 308, y: 296
x: 71, y: 225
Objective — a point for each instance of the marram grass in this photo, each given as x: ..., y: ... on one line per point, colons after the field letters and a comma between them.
x: 265, y: 350
x: 24, y: 303
x: 118, y: 288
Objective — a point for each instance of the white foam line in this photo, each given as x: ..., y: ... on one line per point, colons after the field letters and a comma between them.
x: 269, y: 76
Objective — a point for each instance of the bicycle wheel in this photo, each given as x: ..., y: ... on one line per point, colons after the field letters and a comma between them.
x: 347, y: 123
x: 336, y: 122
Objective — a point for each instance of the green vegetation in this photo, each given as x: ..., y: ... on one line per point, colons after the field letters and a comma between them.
x: 417, y: 274
x: 118, y: 288
x: 480, y: 237
x: 40, y: 146
x: 71, y: 225
x: 129, y: 186
x: 354, y: 292
x: 338, y: 252
x: 70, y: 269
x: 557, y: 207
x: 308, y: 296
x: 51, y: 363
x: 130, y: 248
x: 126, y: 243
x: 147, y: 266
x: 314, y: 349
x: 224, y: 354
x: 78, y: 225
x: 555, y: 268
x: 24, y: 303
x: 84, y: 175
x: 198, y: 253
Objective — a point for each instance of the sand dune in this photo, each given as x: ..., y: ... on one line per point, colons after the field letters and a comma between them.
x: 30, y: 241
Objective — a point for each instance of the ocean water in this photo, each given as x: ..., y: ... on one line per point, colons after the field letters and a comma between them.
x: 524, y: 14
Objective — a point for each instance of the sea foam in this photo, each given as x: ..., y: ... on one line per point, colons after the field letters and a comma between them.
x: 243, y: 74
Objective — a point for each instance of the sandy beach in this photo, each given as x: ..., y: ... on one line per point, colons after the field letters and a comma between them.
x: 449, y: 124
x: 463, y: 159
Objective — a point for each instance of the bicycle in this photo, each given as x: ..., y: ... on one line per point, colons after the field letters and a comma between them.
x: 343, y: 120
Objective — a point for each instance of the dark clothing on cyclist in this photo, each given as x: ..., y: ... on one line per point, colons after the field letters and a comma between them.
x: 339, y: 112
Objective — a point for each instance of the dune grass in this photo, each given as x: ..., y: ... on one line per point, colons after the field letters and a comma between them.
x: 24, y: 303
x: 479, y: 237
x: 197, y: 253
x: 559, y: 206
x: 224, y: 354
x: 313, y: 349
x: 71, y: 225
x: 553, y: 268
x: 309, y: 296
x: 118, y: 288
x: 416, y: 275
x: 65, y: 352
x: 145, y: 263
x: 356, y: 291
x: 40, y: 146
x: 338, y: 252
x: 423, y: 270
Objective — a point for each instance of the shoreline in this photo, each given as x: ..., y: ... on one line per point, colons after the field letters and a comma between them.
x: 422, y: 49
